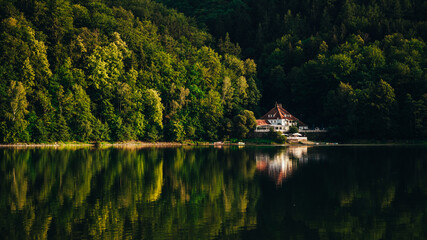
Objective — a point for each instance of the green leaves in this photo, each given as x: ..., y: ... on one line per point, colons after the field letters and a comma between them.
x: 15, y: 114
x: 355, y: 87
x: 82, y: 120
x: 18, y: 102
x: 119, y: 71
x: 244, y: 123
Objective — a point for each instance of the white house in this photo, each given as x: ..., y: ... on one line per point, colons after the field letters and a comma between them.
x: 279, y: 119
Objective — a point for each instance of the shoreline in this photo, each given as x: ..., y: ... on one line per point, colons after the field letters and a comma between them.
x: 82, y: 144
x: 135, y: 144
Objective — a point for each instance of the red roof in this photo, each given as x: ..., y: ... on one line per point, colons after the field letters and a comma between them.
x: 278, y: 112
x: 261, y: 122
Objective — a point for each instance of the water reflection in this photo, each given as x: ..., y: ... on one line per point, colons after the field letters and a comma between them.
x: 147, y: 193
x: 208, y: 193
x: 280, y: 164
x: 351, y: 193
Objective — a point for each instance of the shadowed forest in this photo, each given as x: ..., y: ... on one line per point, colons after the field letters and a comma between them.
x: 105, y: 70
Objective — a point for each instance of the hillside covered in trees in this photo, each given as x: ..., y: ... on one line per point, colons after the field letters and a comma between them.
x: 116, y: 71
x: 110, y: 70
x: 358, y: 67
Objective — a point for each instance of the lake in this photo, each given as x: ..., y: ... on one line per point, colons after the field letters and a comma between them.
x: 324, y: 192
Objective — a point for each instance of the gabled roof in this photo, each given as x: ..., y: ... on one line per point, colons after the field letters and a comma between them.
x: 261, y: 122
x: 278, y: 112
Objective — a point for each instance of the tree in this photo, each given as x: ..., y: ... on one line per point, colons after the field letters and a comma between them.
x: 242, y: 90
x: 177, y: 131
x: 381, y: 105
x: 212, y: 112
x: 82, y: 122
x: 61, y: 129
x: 154, y: 112
x: 341, y: 109
x: 293, y: 129
x: 15, y: 114
x: 45, y: 123
x: 276, y: 137
x: 227, y: 94
x: 28, y: 75
x: 227, y: 47
x: 244, y: 123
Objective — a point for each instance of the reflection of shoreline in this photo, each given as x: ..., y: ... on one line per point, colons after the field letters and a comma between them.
x: 281, y: 165
x: 119, y: 193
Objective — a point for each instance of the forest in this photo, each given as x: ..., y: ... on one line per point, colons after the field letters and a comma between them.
x: 100, y: 71
x: 356, y: 67
x: 108, y: 70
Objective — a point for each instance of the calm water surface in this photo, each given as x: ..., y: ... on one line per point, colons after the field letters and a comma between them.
x: 210, y: 193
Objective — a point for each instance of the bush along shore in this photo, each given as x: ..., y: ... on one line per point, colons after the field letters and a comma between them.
x: 246, y: 142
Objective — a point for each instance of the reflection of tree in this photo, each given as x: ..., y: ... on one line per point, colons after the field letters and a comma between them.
x: 363, y: 193
x: 110, y: 193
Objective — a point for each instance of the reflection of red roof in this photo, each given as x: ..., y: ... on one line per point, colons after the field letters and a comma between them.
x: 261, y: 122
x: 278, y: 112
x: 261, y: 165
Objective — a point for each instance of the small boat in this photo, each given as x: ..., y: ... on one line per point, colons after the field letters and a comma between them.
x: 240, y: 143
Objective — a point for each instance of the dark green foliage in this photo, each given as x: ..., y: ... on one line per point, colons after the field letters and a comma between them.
x: 135, y: 70
x: 115, y: 70
x: 256, y: 23
x: 358, y: 88
x: 276, y: 137
x: 305, y: 49
x: 244, y: 123
x: 14, y: 129
x: 293, y: 129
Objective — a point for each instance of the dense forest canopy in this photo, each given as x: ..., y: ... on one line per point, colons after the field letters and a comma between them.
x: 356, y: 66
x: 253, y: 23
x: 109, y: 70
x: 116, y: 71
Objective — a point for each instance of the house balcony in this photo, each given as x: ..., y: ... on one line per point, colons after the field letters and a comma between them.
x: 276, y: 128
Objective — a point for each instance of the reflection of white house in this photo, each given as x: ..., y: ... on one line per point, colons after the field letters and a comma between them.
x: 279, y: 120
x: 281, y: 165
